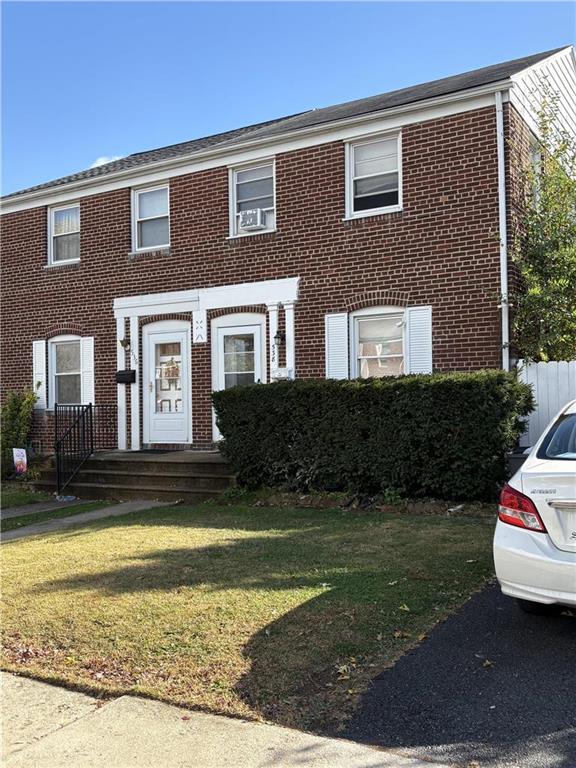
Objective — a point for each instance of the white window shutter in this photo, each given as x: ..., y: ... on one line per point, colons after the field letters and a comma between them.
x: 39, y: 372
x: 419, y: 340
x: 87, y: 358
x: 337, y: 345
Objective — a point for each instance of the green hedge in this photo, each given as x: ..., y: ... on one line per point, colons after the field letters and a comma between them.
x: 442, y: 435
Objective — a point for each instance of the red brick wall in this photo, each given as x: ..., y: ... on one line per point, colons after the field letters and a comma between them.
x: 442, y: 250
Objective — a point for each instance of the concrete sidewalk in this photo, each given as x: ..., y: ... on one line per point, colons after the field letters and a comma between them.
x: 49, y: 727
x: 39, y: 506
x: 61, y: 523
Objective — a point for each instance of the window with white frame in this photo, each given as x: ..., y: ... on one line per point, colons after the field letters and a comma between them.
x: 253, y: 199
x: 373, y: 177
x: 150, y: 218
x: 64, y: 234
x: 65, y: 365
x: 378, y: 343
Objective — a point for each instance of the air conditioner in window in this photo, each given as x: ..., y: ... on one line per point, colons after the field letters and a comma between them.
x: 252, y: 220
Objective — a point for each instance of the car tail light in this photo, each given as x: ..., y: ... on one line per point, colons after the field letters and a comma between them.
x: 517, y: 509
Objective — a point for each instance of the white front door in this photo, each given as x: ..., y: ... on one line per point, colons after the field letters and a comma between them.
x: 166, y: 386
x: 238, y: 352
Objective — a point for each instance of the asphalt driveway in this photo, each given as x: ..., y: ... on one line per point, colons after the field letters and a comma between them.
x: 492, y: 686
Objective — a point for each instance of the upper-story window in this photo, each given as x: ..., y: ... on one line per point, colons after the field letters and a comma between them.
x: 150, y: 218
x: 64, y: 234
x: 253, y: 206
x: 373, y: 183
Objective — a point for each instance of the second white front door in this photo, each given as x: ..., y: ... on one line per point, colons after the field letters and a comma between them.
x: 166, y: 386
x: 238, y: 352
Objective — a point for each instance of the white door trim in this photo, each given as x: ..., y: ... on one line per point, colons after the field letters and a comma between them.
x: 239, y: 321
x: 166, y: 327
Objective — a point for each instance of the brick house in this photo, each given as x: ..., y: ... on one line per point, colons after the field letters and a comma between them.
x: 365, y: 239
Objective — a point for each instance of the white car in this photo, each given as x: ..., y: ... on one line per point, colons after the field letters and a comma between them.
x: 535, y: 537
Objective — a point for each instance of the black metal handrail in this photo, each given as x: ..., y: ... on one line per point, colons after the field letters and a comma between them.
x: 79, y: 431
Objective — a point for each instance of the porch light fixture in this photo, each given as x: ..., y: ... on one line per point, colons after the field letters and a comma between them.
x: 279, y: 338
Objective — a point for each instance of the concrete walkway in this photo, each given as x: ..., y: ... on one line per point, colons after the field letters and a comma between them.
x: 83, y: 517
x: 49, y: 727
x: 38, y: 506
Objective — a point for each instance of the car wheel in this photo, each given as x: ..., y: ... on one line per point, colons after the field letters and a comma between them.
x: 541, y: 609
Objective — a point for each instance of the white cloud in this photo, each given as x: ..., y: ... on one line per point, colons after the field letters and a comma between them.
x: 105, y: 159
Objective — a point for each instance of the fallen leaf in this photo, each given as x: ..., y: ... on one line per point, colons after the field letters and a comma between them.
x: 404, y: 607
x: 489, y: 663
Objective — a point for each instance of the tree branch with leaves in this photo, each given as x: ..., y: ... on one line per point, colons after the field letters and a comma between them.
x: 544, y: 248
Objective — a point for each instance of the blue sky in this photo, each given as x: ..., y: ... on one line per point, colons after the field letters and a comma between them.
x: 83, y: 81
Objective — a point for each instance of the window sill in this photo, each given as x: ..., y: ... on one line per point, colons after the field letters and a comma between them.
x: 61, y: 264
x: 252, y: 234
x: 370, y: 214
x: 163, y: 250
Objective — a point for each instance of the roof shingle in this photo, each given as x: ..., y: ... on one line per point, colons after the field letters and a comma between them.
x: 302, y: 120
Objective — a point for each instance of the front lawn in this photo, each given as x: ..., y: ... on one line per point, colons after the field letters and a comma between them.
x: 276, y: 613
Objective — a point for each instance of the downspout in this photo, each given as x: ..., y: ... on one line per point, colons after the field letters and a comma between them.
x: 502, y: 231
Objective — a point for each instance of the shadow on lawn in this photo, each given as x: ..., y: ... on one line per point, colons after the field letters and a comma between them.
x: 307, y: 666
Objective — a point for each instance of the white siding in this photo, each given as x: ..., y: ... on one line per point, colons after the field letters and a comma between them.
x: 558, y: 74
x: 336, y: 326
x: 553, y: 385
x: 419, y: 340
x: 39, y: 372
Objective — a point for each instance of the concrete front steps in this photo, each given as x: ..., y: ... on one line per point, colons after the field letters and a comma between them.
x: 188, y: 476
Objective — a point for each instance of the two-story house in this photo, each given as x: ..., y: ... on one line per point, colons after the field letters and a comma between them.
x: 365, y: 239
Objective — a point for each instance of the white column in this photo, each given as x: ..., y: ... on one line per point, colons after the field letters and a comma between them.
x: 135, y: 388
x: 272, y: 330
x: 290, y: 338
x: 121, y: 388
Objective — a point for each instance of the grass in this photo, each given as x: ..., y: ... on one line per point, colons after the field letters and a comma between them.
x: 16, y: 495
x: 267, y: 613
x: 11, y: 523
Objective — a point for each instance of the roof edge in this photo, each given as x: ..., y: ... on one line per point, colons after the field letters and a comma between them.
x: 17, y: 200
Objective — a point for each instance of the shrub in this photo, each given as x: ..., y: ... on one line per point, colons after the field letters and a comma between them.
x: 440, y: 435
x: 16, y: 425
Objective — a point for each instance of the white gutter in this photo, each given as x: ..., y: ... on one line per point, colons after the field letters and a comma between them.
x: 503, y: 231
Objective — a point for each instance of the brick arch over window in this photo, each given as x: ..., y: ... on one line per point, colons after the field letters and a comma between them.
x: 64, y: 329
x: 377, y: 299
x: 146, y: 320
x: 258, y: 308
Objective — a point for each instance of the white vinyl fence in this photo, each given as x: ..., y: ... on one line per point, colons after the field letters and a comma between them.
x: 553, y: 385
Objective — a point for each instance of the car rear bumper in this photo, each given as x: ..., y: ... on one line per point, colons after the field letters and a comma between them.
x: 529, y: 566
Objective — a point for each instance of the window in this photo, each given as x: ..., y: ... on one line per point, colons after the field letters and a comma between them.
x: 64, y: 234
x: 373, y: 177
x: 378, y: 343
x: 66, y: 372
x: 151, y: 219
x: 70, y: 370
x: 560, y: 442
x: 253, y: 191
